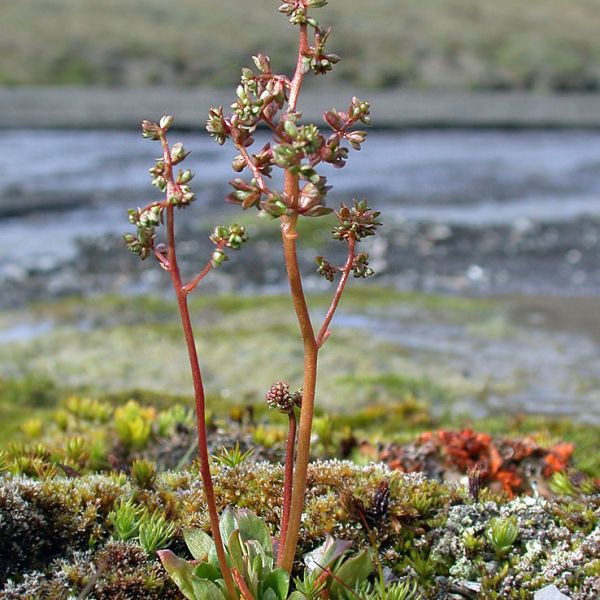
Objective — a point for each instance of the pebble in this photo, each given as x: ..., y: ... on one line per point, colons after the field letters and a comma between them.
x: 550, y: 592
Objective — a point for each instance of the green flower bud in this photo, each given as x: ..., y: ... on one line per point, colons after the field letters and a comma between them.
x: 360, y: 111
x: 291, y: 129
x: 188, y: 197
x: 285, y: 156
x: 184, y: 176
x: 360, y: 266
x: 325, y: 268
x: 160, y: 183
x: 178, y: 153
x: 218, y: 258
x: 217, y: 126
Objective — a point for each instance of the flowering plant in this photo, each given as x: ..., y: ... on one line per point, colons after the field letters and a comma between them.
x: 265, y: 98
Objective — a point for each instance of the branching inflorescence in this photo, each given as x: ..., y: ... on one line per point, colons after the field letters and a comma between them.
x: 264, y: 98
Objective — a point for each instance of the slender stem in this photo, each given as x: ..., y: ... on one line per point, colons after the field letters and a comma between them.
x: 199, y: 395
x: 296, y: 82
x: 255, y: 172
x: 324, y: 331
x: 288, y: 480
x: 289, y: 236
x: 188, y: 288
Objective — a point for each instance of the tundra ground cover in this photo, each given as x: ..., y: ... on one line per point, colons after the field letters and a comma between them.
x: 471, y: 44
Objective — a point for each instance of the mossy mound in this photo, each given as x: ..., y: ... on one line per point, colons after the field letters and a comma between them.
x: 58, y: 536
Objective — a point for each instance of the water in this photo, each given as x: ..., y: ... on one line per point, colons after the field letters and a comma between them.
x: 480, y: 209
x: 475, y: 212
x: 429, y: 175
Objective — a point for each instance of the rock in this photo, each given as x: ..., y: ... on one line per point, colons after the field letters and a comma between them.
x: 550, y: 592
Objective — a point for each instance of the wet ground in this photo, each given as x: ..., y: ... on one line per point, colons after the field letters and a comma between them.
x: 509, y: 215
x: 465, y: 211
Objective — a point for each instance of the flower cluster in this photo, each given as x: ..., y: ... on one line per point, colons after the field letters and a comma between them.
x: 296, y: 148
x: 280, y: 397
x: 226, y: 237
x: 356, y: 222
x: 177, y: 194
x: 296, y: 10
x: 316, y: 59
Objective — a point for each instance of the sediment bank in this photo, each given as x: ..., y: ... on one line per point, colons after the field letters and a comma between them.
x: 88, y: 108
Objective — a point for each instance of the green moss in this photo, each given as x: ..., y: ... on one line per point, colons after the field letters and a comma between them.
x: 56, y: 529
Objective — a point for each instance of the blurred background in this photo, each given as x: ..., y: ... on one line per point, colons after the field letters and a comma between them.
x: 484, y: 159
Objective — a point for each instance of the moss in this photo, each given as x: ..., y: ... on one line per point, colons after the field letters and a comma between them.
x: 42, y: 520
x: 116, y: 571
x: 58, y: 533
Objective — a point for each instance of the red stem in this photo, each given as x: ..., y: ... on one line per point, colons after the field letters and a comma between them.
x: 188, y: 288
x: 288, y: 480
x: 324, y: 331
x: 296, y: 83
x: 289, y: 236
x: 197, y: 379
x: 257, y: 174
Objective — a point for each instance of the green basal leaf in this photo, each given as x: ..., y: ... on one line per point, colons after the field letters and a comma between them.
x: 227, y: 523
x: 180, y: 571
x: 277, y: 581
x: 255, y: 572
x: 354, y: 570
x: 323, y: 556
x: 269, y: 595
x: 208, y: 571
x: 206, y: 590
x: 256, y: 551
x: 253, y: 527
x: 199, y: 543
x: 236, y: 553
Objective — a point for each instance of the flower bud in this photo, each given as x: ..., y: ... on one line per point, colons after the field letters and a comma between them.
x: 217, y: 126
x: 166, y: 122
x: 188, y: 197
x: 285, y: 156
x: 150, y: 130
x: 238, y: 164
x: 356, y: 138
x: 279, y: 397
x: 184, y: 176
x: 360, y: 111
x: 291, y: 129
x: 178, y: 153
x: 218, y: 258
x: 262, y: 62
x: 325, y: 268
x: 360, y: 266
x: 160, y: 183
